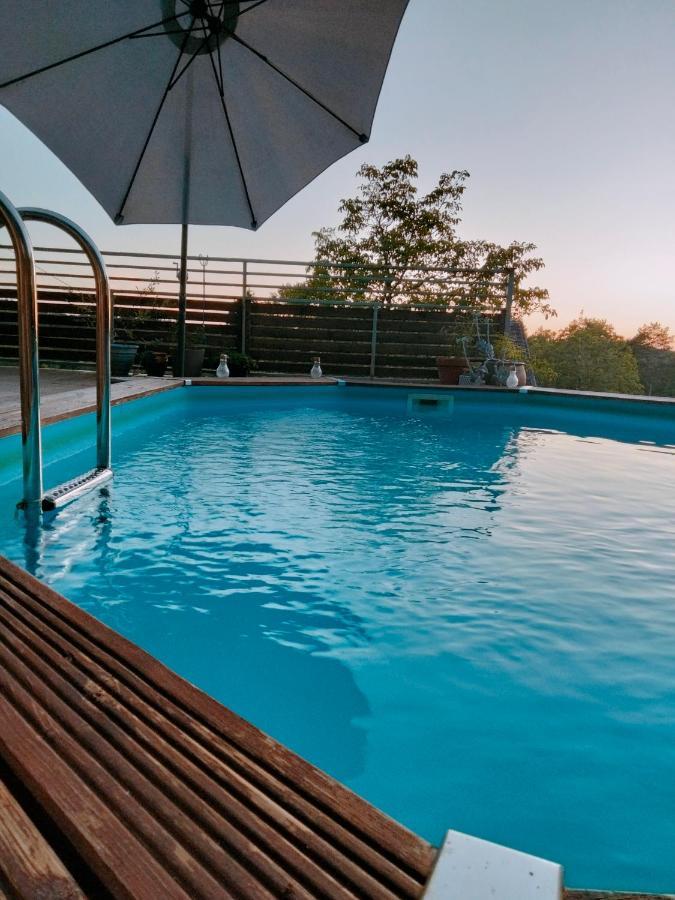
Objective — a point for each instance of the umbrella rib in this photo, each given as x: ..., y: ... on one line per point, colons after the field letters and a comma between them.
x: 254, y: 221
x: 82, y: 53
x: 221, y: 83
x: 138, y: 37
x: 359, y: 134
x: 119, y: 216
x: 252, y: 6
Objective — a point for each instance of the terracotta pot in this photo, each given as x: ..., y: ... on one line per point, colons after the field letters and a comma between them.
x: 521, y: 372
x: 451, y: 367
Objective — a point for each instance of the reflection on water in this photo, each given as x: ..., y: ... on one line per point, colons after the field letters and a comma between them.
x: 467, y: 618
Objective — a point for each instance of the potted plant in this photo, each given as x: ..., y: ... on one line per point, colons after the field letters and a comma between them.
x: 240, y: 364
x: 154, y: 361
x: 195, y: 349
x: 124, y: 348
x: 476, y: 352
x: 129, y: 323
x: 450, y: 368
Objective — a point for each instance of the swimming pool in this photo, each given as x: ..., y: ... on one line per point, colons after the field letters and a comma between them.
x: 462, y: 611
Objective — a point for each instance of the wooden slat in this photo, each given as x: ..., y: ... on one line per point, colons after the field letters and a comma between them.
x: 300, y: 344
x: 233, y: 820
x: 29, y: 866
x: 116, y: 856
x: 218, y: 807
x: 191, y: 857
x: 279, y: 309
x: 250, y: 771
x: 301, y: 368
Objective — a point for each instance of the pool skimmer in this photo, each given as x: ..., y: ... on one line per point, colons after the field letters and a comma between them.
x: 428, y: 402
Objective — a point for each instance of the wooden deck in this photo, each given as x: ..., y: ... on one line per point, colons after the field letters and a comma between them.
x: 65, y: 394
x: 123, y: 780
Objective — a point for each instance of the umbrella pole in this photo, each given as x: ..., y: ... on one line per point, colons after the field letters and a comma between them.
x: 182, y: 304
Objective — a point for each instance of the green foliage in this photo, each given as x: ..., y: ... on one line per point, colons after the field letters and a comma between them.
x: 653, y: 349
x: 131, y: 323
x: 505, y: 348
x: 395, y: 245
x: 654, y: 336
x: 241, y: 363
x: 588, y: 355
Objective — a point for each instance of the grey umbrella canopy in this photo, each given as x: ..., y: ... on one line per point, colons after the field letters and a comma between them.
x: 204, y: 112
x: 209, y: 112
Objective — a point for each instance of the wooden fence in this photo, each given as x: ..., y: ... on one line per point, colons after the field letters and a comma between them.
x: 239, y: 306
x: 357, y: 340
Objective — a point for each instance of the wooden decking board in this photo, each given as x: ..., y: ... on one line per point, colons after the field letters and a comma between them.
x: 203, y: 798
x: 258, y: 766
x: 328, y: 852
x: 28, y: 864
x: 89, y: 884
x: 202, y: 787
x: 208, y: 820
x: 65, y: 397
x: 195, y: 859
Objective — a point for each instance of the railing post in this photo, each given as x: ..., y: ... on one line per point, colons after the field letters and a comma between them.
x: 244, y: 304
x: 182, y: 303
x: 29, y: 363
x: 373, y: 340
x: 510, y: 294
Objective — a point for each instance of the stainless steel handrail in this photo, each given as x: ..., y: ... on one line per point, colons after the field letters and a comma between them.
x: 29, y: 361
x: 103, y: 322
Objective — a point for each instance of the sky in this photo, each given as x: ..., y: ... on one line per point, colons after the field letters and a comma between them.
x: 561, y: 111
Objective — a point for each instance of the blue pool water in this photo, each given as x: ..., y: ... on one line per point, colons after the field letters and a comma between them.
x: 466, y: 615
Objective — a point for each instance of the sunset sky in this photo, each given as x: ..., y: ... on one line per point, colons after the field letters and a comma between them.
x: 562, y: 112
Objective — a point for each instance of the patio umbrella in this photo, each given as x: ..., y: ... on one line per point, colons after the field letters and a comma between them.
x: 210, y: 112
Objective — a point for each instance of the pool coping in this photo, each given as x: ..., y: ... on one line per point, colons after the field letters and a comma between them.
x: 491, y: 389
x: 71, y: 404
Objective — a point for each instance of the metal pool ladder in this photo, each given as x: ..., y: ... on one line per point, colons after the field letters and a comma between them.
x: 29, y: 360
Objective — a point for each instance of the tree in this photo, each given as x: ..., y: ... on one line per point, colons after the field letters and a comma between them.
x: 586, y: 355
x: 396, y: 245
x: 654, y: 336
x: 653, y: 349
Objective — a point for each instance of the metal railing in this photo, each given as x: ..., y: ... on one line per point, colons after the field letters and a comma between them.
x: 59, y: 269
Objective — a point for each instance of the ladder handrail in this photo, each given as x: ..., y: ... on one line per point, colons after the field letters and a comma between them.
x: 103, y: 322
x: 29, y: 360
x: 29, y: 355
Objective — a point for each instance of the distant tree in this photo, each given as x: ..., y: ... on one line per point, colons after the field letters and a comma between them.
x: 391, y: 236
x: 655, y: 336
x: 653, y: 349
x: 586, y: 355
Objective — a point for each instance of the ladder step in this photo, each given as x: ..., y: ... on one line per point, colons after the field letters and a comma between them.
x: 71, y: 490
